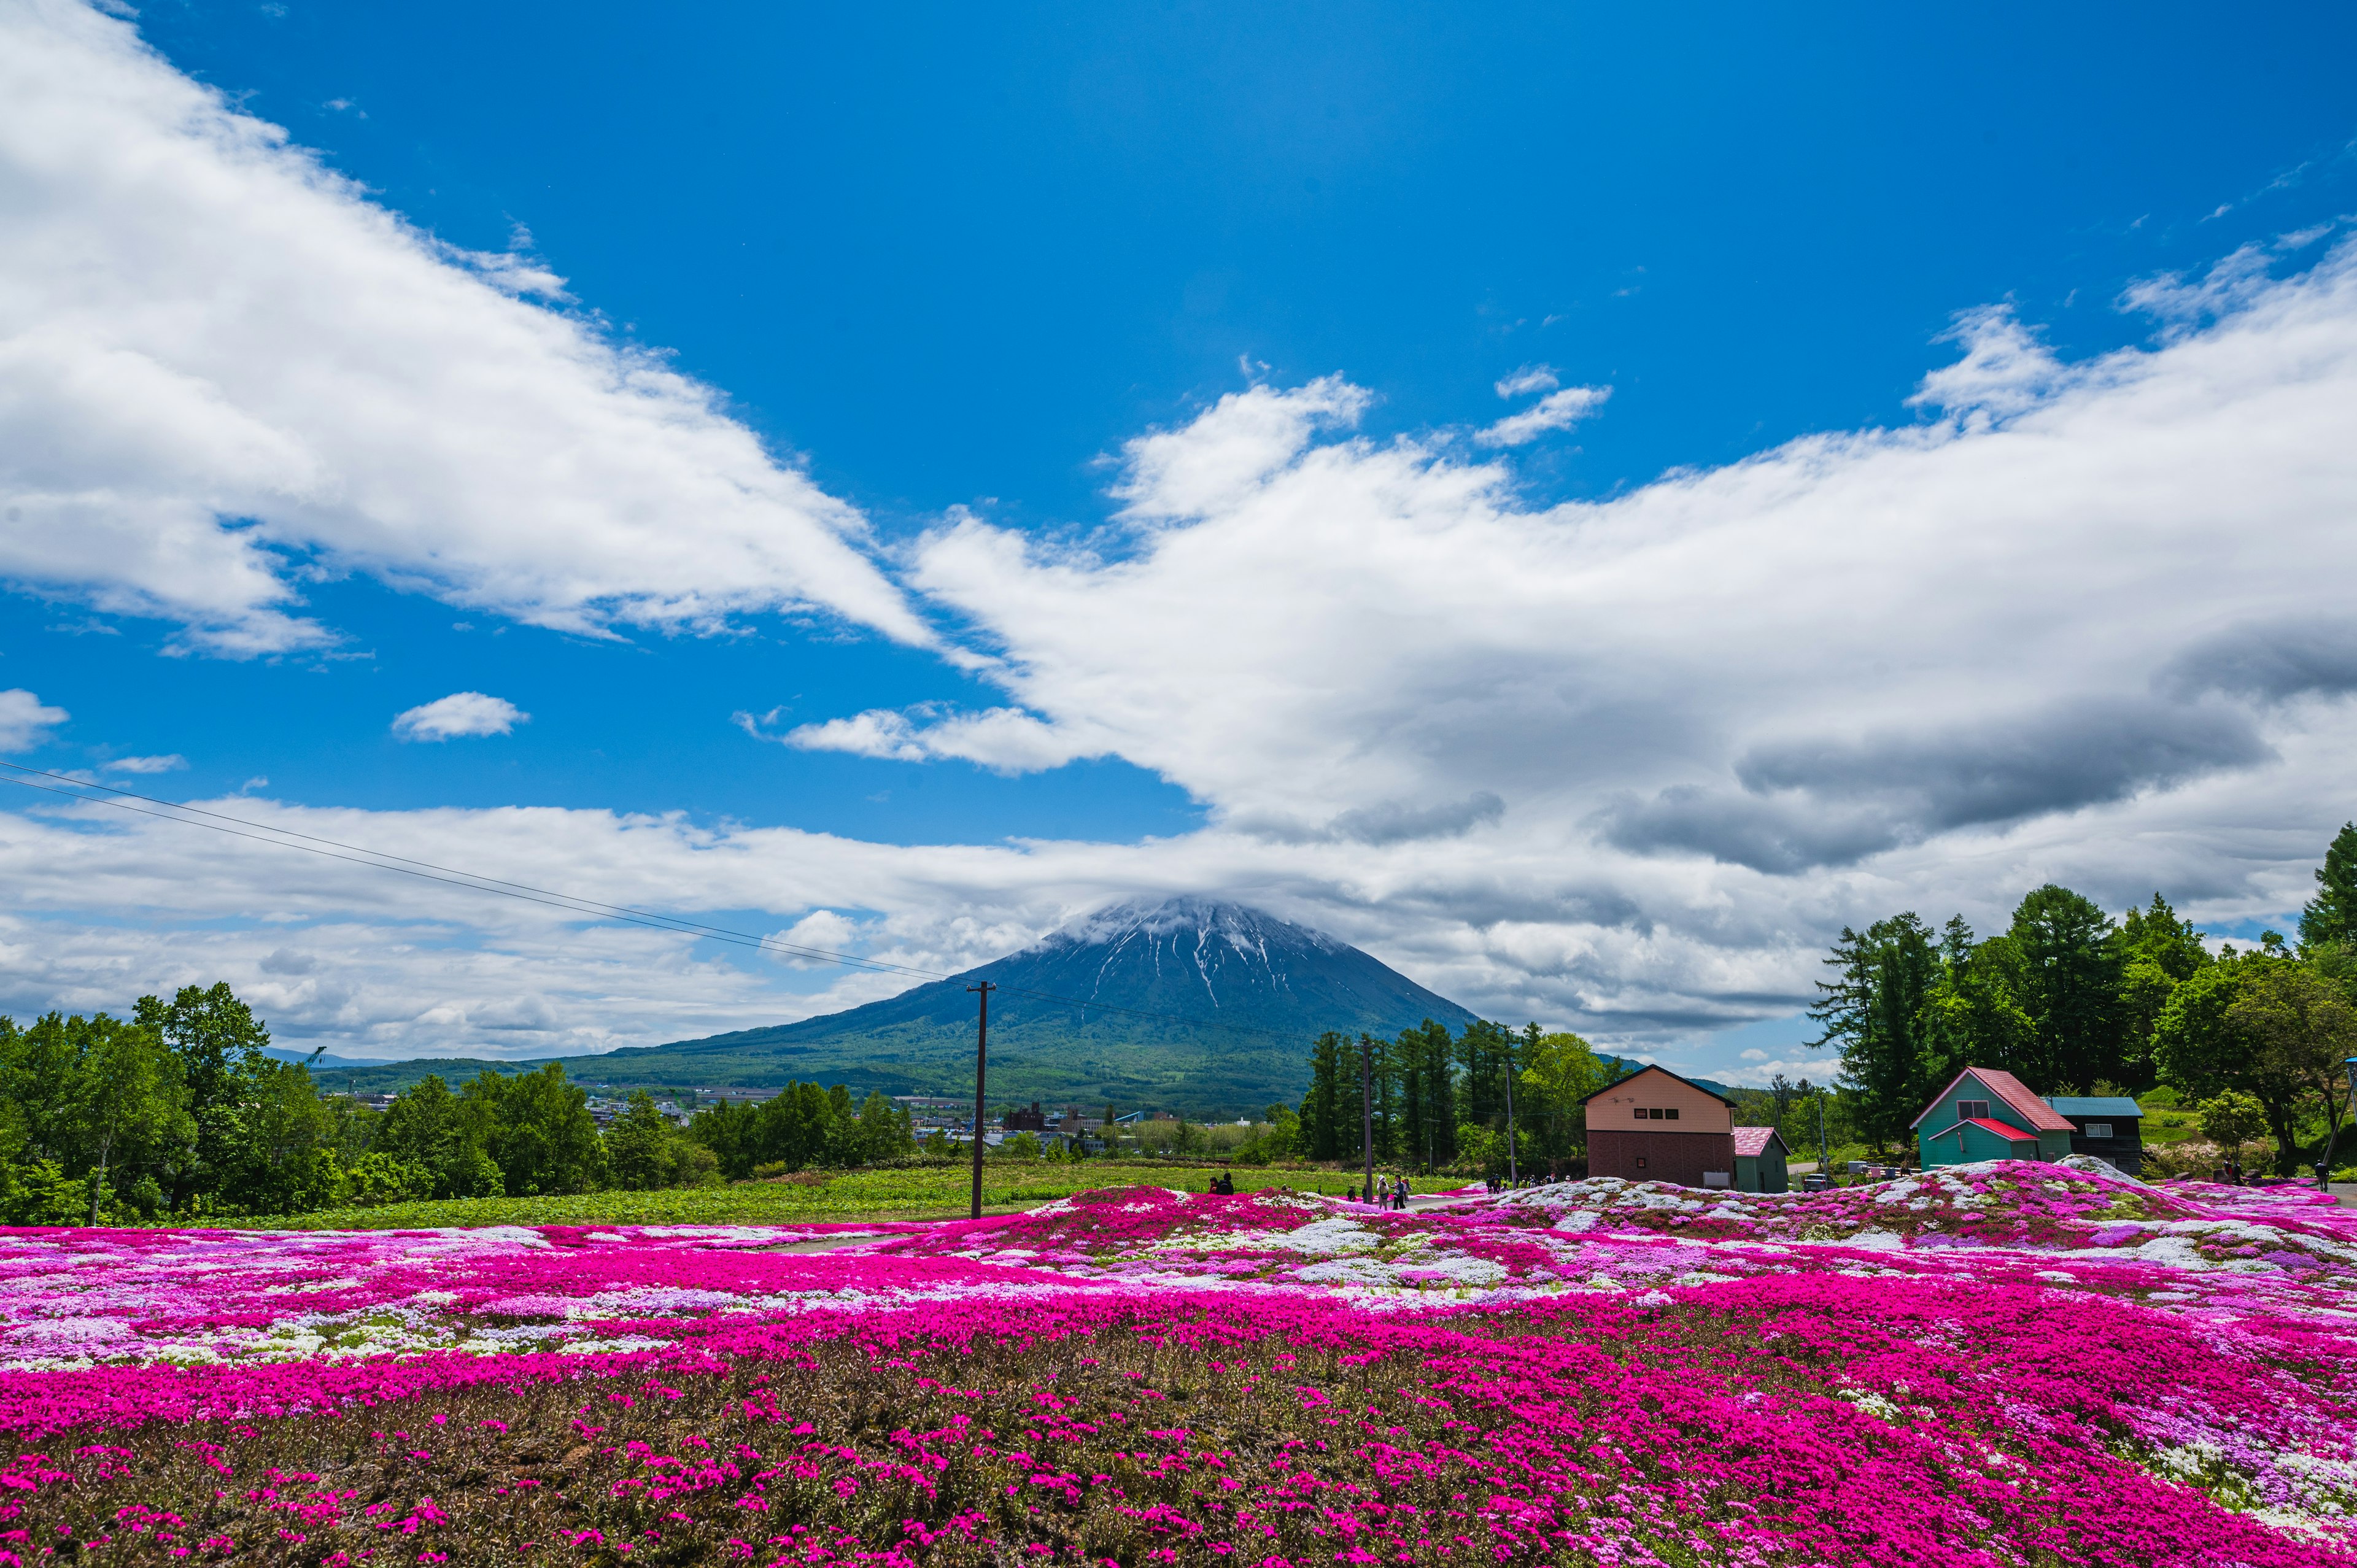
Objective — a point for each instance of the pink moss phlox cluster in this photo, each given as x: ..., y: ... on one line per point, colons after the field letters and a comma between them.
x: 2069, y: 1362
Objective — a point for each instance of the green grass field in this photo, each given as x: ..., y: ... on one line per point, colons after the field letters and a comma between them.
x: 927, y: 1192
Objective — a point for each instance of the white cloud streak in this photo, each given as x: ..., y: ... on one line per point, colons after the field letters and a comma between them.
x: 171, y: 764
x: 222, y: 364
x: 25, y: 720
x: 460, y: 714
x: 1556, y: 411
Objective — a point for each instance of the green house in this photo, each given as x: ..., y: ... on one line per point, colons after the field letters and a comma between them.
x: 1985, y: 1114
x: 1760, y: 1161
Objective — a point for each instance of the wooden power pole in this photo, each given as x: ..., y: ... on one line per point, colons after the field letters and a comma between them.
x: 1367, y: 1109
x: 981, y: 1064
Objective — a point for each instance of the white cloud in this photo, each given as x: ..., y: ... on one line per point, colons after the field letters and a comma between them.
x: 1755, y: 1055
x: 1530, y: 379
x: 1556, y: 411
x: 1006, y: 740
x: 221, y: 362
x: 460, y: 714
x: 25, y: 720
x: 1622, y: 765
x: 172, y: 763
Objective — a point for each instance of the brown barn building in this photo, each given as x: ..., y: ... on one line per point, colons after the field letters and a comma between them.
x: 1656, y: 1126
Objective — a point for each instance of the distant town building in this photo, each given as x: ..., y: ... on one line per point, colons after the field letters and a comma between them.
x: 1032, y: 1121
x: 1985, y: 1114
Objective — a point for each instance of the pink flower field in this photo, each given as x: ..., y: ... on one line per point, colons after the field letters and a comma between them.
x: 2004, y: 1363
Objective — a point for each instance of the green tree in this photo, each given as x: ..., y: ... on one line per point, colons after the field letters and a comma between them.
x: 537, y: 1129
x: 1875, y: 1011
x: 2304, y: 1029
x: 432, y: 1130
x: 1428, y: 1095
x: 126, y: 1094
x: 797, y: 1127
x: 2065, y: 976
x: 732, y: 1130
x: 2158, y: 952
x: 2204, y: 1047
x: 2232, y: 1118
x: 638, y: 1152
x: 218, y: 1042
x: 2332, y: 915
x: 1321, y: 1108
x: 883, y: 1130
x: 1559, y: 1072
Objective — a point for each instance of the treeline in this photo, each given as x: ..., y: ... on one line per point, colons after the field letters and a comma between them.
x: 802, y: 1126
x: 178, y: 1113
x: 1439, y: 1101
x: 2074, y: 1001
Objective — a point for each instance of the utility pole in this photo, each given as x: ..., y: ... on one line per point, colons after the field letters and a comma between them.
x: 1367, y: 1108
x: 981, y: 1061
x: 1511, y: 1175
x: 1825, y: 1155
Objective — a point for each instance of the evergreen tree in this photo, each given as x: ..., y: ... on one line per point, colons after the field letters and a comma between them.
x: 2332, y: 915
x: 1321, y: 1108
x: 1972, y: 1019
x: 2158, y: 953
x: 1428, y: 1095
x: 2065, y: 976
x: 1875, y: 1011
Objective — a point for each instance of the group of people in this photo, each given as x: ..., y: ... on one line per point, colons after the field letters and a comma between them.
x: 1526, y: 1178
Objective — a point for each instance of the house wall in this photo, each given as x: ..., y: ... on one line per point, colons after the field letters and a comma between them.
x: 1980, y: 1143
x: 1950, y: 1145
x: 1699, y: 1110
x: 1945, y: 1114
x: 2124, y: 1149
x: 1678, y: 1157
x: 1772, y: 1175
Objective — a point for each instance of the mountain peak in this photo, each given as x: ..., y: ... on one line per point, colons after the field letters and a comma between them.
x: 1151, y: 919
x: 1198, y: 1004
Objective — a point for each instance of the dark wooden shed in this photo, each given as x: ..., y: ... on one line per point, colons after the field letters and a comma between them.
x: 2108, y: 1127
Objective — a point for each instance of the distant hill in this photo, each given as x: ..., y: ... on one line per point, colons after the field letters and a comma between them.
x: 1202, y: 1007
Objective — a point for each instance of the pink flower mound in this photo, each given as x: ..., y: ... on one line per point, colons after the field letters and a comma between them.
x: 2007, y: 1364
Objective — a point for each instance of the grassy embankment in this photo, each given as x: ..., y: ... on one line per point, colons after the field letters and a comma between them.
x: 923, y: 1192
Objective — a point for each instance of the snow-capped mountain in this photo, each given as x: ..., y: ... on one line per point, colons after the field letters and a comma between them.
x: 1204, y: 1007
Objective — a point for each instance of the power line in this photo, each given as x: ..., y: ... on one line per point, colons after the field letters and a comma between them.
x: 427, y: 871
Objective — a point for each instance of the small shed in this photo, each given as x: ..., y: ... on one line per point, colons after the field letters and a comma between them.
x: 2108, y: 1127
x: 1988, y: 1114
x: 1759, y: 1155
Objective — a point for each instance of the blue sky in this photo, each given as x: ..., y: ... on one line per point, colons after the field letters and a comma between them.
x: 951, y: 266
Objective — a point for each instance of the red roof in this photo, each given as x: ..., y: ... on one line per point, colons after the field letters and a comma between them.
x: 2010, y: 1133
x: 2004, y: 1086
x: 1751, y: 1143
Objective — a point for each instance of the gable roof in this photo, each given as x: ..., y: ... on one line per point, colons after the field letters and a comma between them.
x: 2006, y: 1130
x: 1751, y: 1143
x: 2118, y: 1105
x: 1625, y: 1082
x: 2012, y: 1090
